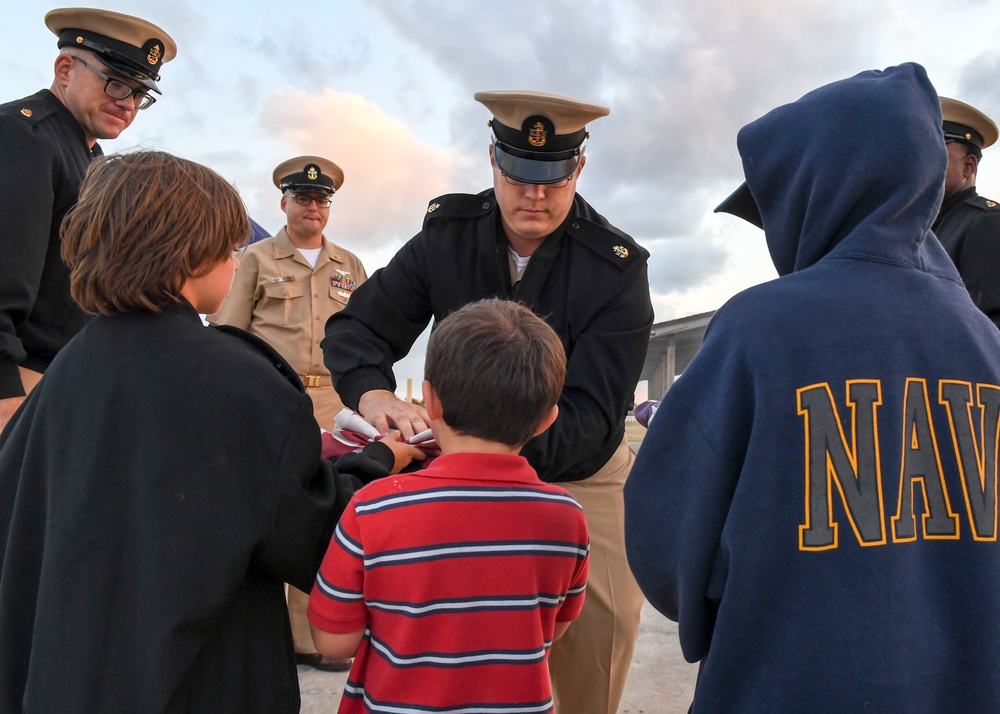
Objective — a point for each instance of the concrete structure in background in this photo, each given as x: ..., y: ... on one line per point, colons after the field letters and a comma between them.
x: 672, y: 346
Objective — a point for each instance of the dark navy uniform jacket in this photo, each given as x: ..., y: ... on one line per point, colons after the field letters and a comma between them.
x: 969, y: 229
x: 587, y: 280
x: 156, y: 489
x: 43, y: 158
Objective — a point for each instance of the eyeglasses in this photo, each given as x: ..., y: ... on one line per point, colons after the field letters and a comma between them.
x: 304, y: 200
x: 555, y: 184
x: 116, y: 89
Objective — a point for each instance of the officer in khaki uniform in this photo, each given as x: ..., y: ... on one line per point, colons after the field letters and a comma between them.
x: 286, y: 288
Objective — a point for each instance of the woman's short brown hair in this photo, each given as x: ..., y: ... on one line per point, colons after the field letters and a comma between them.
x: 497, y: 369
x: 145, y: 222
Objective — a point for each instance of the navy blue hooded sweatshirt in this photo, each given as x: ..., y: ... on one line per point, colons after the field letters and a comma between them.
x: 816, y: 501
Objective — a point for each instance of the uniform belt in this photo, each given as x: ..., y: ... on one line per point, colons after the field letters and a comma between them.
x: 312, y: 381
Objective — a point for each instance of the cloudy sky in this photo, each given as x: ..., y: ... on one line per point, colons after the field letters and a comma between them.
x: 384, y: 88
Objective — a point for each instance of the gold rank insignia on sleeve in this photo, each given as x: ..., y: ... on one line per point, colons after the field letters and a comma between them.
x: 433, y: 207
x: 621, y: 251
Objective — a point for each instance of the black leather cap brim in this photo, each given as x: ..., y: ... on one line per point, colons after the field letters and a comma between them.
x: 742, y: 205
x: 534, y: 171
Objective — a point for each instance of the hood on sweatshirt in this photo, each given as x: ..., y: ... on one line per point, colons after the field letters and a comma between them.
x: 856, y: 166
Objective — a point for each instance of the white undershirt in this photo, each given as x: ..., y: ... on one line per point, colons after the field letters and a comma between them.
x: 519, y: 263
x: 311, y: 255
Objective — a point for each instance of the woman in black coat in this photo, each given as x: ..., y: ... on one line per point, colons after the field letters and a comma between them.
x: 164, y: 479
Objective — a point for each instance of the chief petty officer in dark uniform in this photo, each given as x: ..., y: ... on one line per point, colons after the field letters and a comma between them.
x: 533, y: 239
x: 108, y: 64
x: 968, y: 225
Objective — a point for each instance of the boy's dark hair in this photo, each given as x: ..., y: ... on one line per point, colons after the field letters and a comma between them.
x: 145, y: 222
x: 497, y: 369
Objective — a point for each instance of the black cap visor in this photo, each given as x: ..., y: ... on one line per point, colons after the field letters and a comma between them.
x: 125, y: 70
x: 308, y: 188
x: 741, y: 204
x: 535, y: 166
x: 113, y: 55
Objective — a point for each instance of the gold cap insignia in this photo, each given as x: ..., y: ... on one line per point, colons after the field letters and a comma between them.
x: 537, y: 136
x: 79, y: 40
x: 621, y: 251
x: 991, y: 204
x: 433, y: 207
x: 312, y: 173
x: 26, y: 112
x: 154, y: 54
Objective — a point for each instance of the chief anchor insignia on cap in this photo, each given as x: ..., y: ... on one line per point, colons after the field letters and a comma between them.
x: 308, y: 174
x: 538, y: 137
x: 130, y: 46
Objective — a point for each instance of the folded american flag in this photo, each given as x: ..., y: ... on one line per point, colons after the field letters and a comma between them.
x: 352, y: 433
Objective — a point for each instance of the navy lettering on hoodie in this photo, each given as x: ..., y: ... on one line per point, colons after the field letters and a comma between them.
x: 830, y: 459
x: 921, y: 469
x: 977, y: 458
x: 851, y: 462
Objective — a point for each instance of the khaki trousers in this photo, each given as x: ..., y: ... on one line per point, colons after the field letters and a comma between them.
x: 326, y: 405
x: 589, y: 664
x: 29, y: 378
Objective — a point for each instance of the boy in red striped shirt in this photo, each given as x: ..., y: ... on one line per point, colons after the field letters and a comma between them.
x: 450, y: 584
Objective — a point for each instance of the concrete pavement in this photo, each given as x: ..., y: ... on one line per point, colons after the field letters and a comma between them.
x: 659, y: 681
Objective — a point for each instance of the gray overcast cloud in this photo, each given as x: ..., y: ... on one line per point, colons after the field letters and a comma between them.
x: 384, y: 88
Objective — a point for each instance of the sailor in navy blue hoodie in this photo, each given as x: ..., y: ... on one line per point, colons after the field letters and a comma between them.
x: 815, y: 503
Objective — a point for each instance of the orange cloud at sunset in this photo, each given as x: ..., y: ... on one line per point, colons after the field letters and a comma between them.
x: 390, y: 175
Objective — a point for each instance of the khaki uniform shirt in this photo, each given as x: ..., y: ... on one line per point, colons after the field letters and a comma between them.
x: 279, y: 297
